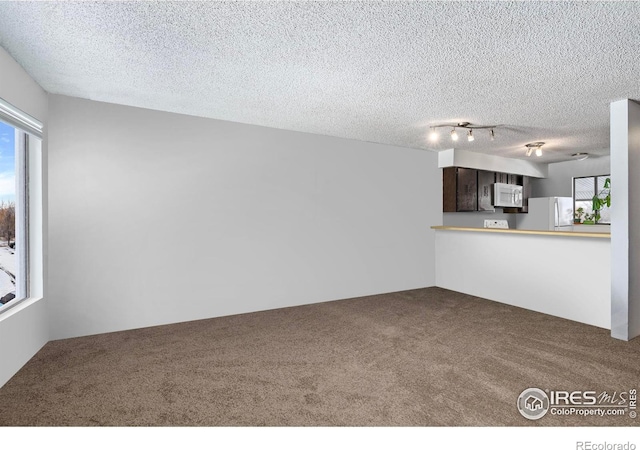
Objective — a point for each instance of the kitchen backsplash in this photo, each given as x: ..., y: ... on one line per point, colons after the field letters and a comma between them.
x: 476, y: 219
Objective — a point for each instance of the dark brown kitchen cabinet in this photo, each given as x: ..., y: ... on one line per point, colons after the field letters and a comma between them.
x: 472, y: 190
x: 485, y: 188
x: 467, y: 195
x: 502, y: 177
x: 459, y: 189
x: 526, y: 193
x: 507, y: 178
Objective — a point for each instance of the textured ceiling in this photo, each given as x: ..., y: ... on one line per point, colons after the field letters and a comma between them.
x: 373, y: 71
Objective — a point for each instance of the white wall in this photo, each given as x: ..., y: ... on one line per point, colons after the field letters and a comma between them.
x: 482, y: 161
x: 559, y: 181
x: 19, y: 89
x: 24, y: 328
x: 634, y: 218
x: 563, y: 276
x: 159, y: 218
x: 625, y: 218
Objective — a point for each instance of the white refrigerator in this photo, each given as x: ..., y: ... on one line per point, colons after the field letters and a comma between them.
x: 547, y: 213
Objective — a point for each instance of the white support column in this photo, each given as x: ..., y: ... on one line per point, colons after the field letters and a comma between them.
x: 625, y: 219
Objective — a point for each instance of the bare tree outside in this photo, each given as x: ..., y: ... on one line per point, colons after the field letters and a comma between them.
x: 7, y: 251
x: 7, y: 221
x: 9, y: 140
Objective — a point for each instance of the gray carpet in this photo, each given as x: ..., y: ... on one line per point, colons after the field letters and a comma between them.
x: 427, y: 357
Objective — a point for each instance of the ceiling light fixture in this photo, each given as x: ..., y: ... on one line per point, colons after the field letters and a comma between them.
x: 580, y: 156
x: 537, y: 146
x: 433, y: 136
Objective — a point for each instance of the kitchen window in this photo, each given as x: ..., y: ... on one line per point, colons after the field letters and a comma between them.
x: 584, y: 189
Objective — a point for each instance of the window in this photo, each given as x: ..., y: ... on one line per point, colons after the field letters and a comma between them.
x: 19, y: 132
x: 584, y: 189
x: 13, y: 220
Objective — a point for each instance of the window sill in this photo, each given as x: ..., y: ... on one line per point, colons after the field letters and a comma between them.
x: 12, y: 308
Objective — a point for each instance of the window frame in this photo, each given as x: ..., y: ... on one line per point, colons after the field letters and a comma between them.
x: 22, y: 217
x: 28, y: 131
x: 595, y: 190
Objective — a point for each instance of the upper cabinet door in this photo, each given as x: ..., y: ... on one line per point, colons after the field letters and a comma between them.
x: 449, y: 189
x: 502, y: 177
x: 526, y: 193
x: 485, y: 188
x: 467, y: 195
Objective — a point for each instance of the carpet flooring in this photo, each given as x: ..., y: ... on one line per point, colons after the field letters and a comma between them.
x: 426, y: 357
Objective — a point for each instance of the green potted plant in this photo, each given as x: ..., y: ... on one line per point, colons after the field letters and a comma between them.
x: 589, y: 219
x: 577, y: 216
x: 602, y: 199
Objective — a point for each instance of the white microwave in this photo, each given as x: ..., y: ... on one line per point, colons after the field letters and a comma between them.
x: 507, y: 195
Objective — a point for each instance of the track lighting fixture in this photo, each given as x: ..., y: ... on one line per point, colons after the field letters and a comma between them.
x: 433, y: 136
x: 537, y: 146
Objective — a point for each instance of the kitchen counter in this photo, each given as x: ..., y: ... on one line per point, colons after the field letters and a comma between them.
x: 562, y: 273
x: 543, y: 233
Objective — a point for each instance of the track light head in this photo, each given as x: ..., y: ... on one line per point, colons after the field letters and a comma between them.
x: 454, y: 135
x: 434, y: 136
x: 470, y: 137
x: 492, y: 135
x: 537, y: 146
